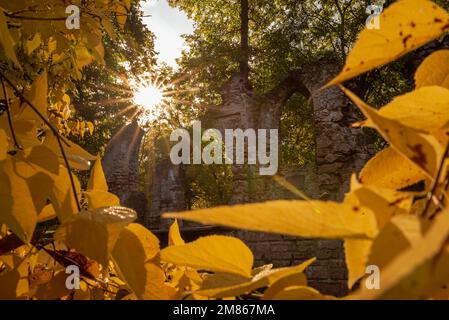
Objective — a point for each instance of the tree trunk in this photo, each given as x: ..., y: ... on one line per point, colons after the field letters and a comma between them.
x: 244, y: 38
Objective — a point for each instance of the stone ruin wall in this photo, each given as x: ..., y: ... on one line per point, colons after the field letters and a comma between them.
x: 121, y: 168
x: 167, y: 193
x: 340, y: 151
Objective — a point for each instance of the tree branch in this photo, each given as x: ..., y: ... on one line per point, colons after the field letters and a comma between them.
x: 53, y: 130
x: 8, y: 113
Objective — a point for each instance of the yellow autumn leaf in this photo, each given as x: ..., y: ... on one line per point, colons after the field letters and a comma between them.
x: 14, y: 283
x: 296, y: 279
x: 38, y: 166
x: 434, y: 70
x: 356, y: 256
x: 221, y: 285
x: 174, y: 236
x: 97, y: 179
x: 317, y: 219
x: 83, y: 57
x: 135, y: 256
x: 90, y: 125
x: 94, y: 233
x: 37, y: 95
x: 300, y: 293
x: 98, y: 199
x: 418, y: 271
x: 25, y: 131
x: 423, y: 282
x: 404, y: 26
x: 401, y: 233
x: 213, y: 253
x: 390, y: 169
x: 97, y: 194
x: 47, y: 213
x: 78, y: 157
x: 121, y: 14
x: 26, y: 180
x: 109, y: 28
x: 6, y: 40
x: 62, y: 196
x: 4, y: 145
x: 33, y: 44
x: 54, y: 289
x: 384, y: 203
x: 83, y: 293
x: 425, y: 108
x: 127, y: 4
x: 423, y: 149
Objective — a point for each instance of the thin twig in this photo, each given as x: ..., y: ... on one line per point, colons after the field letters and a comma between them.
x: 435, y: 182
x: 53, y: 130
x: 36, y: 18
x: 8, y: 113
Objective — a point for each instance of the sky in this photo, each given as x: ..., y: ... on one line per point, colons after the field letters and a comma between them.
x: 168, y: 24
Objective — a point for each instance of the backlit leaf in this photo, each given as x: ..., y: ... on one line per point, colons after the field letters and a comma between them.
x: 4, y: 145
x: 356, y: 255
x: 399, y: 33
x: 94, y: 233
x: 14, y: 283
x: 426, y: 108
x: 33, y: 44
x: 17, y: 209
x: 423, y: 149
x: 78, y: 157
x: 6, y: 40
x: 54, y: 289
x: 213, y: 253
x: 174, y: 236
x: 98, y: 199
x: 47, y: 213
x: 222, y: 285
x: 434, y: 70
x: 300, y: 293
x: 296, y: 279
x: 135, y: 255
x: 97, y: 179
x: 62, y: 196
x: 418, y: 271
x: 37, y: 95
x: 390, y: 169
x: 401, y: 233
x: 297, y: 218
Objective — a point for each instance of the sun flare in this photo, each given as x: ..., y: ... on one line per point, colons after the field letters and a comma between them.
x: 148, y: 96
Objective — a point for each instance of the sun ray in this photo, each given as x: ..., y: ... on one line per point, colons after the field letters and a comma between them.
x: 113, y: 101
x: 128, y: 108
x: 171, y: 92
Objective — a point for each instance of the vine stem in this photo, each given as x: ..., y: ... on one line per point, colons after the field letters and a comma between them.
x: 435, y: 182
x: 8, y: 113
x: 53, y: 130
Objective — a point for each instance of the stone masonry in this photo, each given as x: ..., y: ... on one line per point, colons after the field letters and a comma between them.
x: 121, y: 168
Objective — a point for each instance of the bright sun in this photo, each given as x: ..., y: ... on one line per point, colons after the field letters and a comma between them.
x: 148, y: 96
